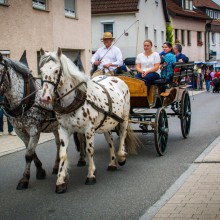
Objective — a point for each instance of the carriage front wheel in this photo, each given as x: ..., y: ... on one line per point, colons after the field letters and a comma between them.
x: 161, y: 131
x: 185, y: 114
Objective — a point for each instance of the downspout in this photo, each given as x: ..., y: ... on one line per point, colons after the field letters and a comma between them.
x: 207, y: 40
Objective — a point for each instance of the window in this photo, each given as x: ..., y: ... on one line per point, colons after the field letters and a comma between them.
x: 213, y: 38
x: 5, y: 53
x: 176, y: 37
x: 40, y: 4
x: 70, y: 8
x: 108, y: 27
x: 162, y: 37
x: 215, y: 15
x: 188, y: 5
x: 211, y: 14
x: 182, y: 37
x: 188, y: 38
x: 155, y: 38
x: 146, y: 33
x: 199, y: 38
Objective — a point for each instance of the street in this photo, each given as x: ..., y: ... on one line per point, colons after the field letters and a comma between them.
x: 124, y: 194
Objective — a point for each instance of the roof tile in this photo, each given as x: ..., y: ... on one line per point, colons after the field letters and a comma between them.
x: 113, y: 6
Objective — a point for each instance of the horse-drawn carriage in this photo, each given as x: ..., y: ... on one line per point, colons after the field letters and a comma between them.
x: 162, y: 94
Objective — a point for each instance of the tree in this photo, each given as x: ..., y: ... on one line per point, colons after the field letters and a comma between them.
x: 169, y: 33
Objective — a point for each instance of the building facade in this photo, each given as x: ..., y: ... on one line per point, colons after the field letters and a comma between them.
x: 31, y: 25
x: 131, y: 22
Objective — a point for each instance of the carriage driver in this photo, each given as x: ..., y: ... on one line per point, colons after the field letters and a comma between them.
x: 107, y: 58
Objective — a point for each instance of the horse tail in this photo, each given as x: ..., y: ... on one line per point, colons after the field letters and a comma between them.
x: 132, y: 142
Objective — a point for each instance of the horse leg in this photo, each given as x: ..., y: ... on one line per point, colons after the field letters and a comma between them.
x: 29, y: 156
x: 61, y: 184
x: 57, y: 161
x: 79, y: 140
x: 112, y: 165
x: 121, y: 154
x: 91, y: 179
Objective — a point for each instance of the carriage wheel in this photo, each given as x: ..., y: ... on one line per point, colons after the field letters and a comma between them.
x: 185, y: 114
x: 161, y: 130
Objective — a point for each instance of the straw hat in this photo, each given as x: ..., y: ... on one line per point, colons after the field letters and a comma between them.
x: 107, y: 35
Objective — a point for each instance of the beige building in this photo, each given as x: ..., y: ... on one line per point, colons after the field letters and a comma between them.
x: 48, y: 24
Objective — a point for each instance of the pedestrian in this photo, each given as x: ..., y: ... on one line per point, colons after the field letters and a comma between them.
x: 107, y: 58
x: 207, y: 78
x: 148, y: 64
x: 10, y: 127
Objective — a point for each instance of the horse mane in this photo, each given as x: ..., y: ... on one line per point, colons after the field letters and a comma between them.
x: 69, y: 68
x: 17, y: 66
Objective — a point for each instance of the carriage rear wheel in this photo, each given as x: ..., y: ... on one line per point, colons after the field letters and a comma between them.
x: 185, y: 114
x: 161, y: 131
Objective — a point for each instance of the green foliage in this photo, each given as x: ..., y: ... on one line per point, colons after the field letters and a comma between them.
x: 169, y: 33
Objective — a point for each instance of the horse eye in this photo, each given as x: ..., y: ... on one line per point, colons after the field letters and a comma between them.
x: 56, y: 71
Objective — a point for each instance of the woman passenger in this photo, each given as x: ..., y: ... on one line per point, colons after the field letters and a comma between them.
x: 147, y: 64
x: 169, y: 60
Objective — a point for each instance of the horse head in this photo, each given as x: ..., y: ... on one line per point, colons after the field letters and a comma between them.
x: 58, y: 74
x: 51, y: 72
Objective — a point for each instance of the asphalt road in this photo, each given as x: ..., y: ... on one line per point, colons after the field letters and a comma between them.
x: 124, y: 194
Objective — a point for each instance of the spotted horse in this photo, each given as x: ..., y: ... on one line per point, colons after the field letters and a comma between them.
x: 28, y: 115
x: 85, y: 106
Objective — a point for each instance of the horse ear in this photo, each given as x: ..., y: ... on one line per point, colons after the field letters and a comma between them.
x: 59, y: 52
x: 42, y: 52
x: 1, y: 57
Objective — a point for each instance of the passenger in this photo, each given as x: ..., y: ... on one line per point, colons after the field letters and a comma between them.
x: 107, y: 58
x: 169, y: 60
x: 148, y: 64
x: 178, y: 53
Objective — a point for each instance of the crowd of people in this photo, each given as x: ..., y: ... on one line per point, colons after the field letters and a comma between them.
x: 208, y: 75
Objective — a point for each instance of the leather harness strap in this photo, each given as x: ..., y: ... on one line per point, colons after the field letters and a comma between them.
x: 106, y: 113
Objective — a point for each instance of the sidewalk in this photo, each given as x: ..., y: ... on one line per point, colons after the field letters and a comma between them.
x: 196, y: 194
x: 11, y: 144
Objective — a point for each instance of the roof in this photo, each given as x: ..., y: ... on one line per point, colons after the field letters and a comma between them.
x: 114, y: 6
x: 176, y: 9
x: 206, y: 4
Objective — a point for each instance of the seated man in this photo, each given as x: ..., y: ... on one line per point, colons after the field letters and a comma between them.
x: 178, y: 53
x: 107, y: 58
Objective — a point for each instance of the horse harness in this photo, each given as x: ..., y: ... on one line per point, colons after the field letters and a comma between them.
x: 29, y: 91
x: 79, y: 100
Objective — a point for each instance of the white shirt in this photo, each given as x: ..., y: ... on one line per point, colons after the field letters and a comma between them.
x: 108, y: 55
x: 147, y: 62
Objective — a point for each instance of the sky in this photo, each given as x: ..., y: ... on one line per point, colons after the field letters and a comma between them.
x: 216, y: 1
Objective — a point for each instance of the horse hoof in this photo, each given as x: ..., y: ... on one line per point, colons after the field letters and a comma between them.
x: 90, y: 181
x: 112, y: 168
x: 41, y: 174
x: 122, y: 163
x: 61, y: 188
x: 22, y: 185
x: 55, y: 171
x: 81, y: 163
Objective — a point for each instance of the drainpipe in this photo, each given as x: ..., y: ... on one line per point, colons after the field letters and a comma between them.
x: 207, y: 40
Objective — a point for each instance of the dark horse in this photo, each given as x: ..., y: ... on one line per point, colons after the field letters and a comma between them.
x: 29, y: 117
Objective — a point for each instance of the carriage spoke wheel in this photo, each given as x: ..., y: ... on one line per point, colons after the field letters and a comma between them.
x: 161, y: 131
x: 185, y: 114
